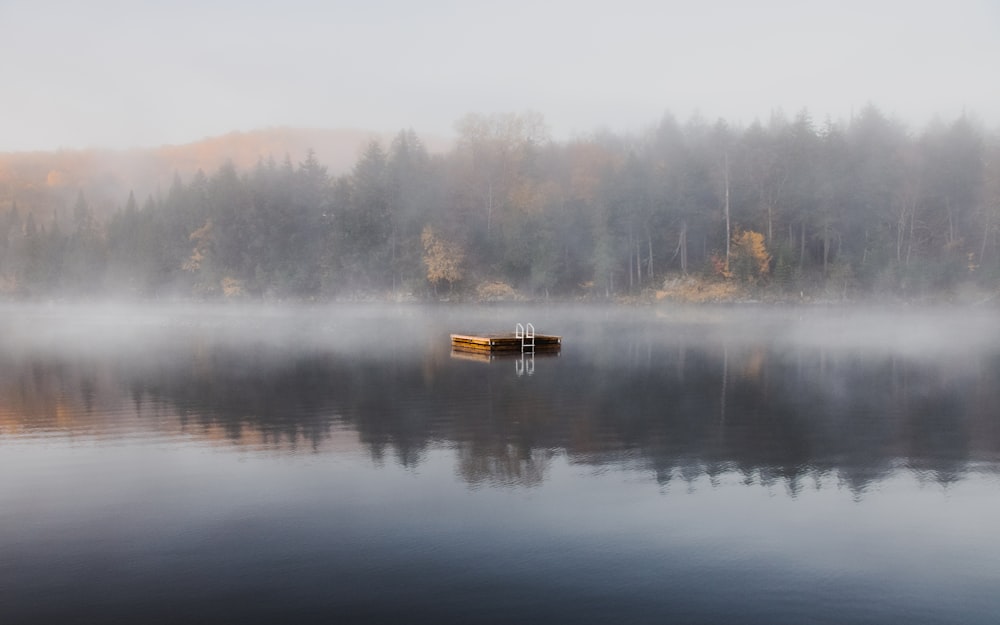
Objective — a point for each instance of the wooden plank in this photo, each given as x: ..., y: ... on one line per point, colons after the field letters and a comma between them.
x: 486, y: 338
x: 507, y: 341
x: 477, y: 355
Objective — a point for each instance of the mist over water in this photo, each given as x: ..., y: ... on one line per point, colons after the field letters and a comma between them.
x: 731, y: 464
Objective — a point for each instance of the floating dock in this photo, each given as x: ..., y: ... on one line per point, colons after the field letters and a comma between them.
x: 505, y: 342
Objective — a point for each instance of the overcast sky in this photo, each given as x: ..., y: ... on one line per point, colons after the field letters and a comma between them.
x: 124, y: 73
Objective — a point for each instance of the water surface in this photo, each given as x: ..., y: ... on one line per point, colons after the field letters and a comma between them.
x: 342, y: 465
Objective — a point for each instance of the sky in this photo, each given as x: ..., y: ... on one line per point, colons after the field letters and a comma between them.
x: 106, y: 73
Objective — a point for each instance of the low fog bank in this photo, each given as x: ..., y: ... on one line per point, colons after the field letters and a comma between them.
x: 923, y: 332
x: 395, y: 329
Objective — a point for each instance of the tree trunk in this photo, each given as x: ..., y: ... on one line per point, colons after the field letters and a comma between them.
x: 802, y: 245
x: 638, y: 263
x: 909, y: 242
x: 951, y: 221
x: 631, y: 269
x: 489, y: 208
x: 826, y: 248
x: 392, y: 263
x: 649, y: 241
x: 900, y: 225
x: 986, y: 234
x: 684, y: 247
x: 726, y: 177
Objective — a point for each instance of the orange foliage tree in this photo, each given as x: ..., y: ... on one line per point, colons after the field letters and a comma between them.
x: 749, y: 259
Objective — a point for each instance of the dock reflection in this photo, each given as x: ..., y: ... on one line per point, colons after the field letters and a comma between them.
x: 524, y: 363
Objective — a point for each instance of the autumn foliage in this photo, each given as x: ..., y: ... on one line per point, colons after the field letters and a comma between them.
x: 749, y: 260
x: 442, y: 258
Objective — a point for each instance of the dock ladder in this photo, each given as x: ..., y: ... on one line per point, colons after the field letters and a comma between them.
x: 527, y: 336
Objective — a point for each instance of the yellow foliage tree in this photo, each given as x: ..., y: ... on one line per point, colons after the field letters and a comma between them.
x: 443, y: 258
x: 749, y: 258
x: 203, y: 239
x: 231, y: 287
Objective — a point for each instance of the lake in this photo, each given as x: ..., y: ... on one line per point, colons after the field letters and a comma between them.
x: 341, y: 465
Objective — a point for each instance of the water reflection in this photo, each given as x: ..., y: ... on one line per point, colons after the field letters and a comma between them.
x: 669, y: 399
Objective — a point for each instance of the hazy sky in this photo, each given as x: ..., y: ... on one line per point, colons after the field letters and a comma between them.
x: 131, y: 72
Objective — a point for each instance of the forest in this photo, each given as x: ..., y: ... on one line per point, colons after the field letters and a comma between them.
x: 787, y: 209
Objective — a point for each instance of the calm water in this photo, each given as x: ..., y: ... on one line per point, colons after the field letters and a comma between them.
x: 342, y: 466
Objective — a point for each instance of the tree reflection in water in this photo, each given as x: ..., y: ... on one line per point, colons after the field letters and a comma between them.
x: 677, y: 406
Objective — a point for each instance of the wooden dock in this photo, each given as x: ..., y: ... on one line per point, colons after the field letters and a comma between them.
x: 504, y: 342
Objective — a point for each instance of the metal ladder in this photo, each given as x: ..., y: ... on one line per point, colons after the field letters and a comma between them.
x: 526, y: 333
x: 527, y: 337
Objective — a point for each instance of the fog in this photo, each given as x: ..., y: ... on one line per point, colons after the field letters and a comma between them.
x: 376, y: 330
x: 585, y: 65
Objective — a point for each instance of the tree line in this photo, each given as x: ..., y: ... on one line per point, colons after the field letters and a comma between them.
x: 855, y: 208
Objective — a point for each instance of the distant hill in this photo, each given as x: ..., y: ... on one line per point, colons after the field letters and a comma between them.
x: 47, y: 183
